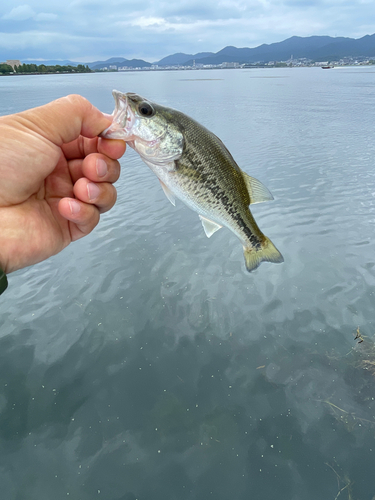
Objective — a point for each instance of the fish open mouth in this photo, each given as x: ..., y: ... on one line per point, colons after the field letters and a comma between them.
x: 123, y: 119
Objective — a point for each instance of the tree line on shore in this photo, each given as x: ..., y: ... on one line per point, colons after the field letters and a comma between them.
x: 6, y: 69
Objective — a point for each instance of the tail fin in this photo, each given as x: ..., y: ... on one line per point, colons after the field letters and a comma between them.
x: 267, y: 253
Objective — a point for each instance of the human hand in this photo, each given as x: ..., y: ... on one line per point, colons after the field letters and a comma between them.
x: 56, y: 178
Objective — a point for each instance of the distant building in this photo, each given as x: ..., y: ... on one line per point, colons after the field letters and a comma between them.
x: 230, y: 65
x: 13, y: 62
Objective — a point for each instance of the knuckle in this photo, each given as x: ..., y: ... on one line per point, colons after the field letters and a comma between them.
x: 77, y: 100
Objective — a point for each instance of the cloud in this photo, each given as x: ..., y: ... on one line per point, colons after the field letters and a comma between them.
x: 89, y: 30
x: 25, y: 13
x: 147, y: 22
x: 45, y: 16
x: 20, y: 13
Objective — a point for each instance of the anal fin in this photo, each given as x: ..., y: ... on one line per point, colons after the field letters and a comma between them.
x: 210, y: 227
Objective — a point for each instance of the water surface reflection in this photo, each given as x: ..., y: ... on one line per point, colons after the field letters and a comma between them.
x: 145, y: 363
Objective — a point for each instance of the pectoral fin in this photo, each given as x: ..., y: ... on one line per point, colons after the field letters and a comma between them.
x: 209, y: 226
x: 168, y: 193
x: 257, y: 191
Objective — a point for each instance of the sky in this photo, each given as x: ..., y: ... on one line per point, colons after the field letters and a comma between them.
x: 92, y: 30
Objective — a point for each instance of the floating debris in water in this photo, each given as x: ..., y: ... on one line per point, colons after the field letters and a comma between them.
x: 358, y: 336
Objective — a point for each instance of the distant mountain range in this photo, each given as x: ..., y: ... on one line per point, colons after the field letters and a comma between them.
x: 96, y: 65
x: 317, y: 48
x: 51, y: 62
x: 119, y: 62
x: 180, y: 58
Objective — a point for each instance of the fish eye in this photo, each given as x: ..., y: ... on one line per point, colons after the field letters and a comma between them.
x: 146, y: 109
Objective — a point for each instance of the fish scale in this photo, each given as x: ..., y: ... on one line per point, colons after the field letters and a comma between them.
x: 194, y: 166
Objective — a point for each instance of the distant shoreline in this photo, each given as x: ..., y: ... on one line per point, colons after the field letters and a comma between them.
x: 14, y: 67
x: 179, y: 69
x: 51, y: 73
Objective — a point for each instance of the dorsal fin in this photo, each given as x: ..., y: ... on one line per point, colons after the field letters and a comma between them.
x: 257, y: 191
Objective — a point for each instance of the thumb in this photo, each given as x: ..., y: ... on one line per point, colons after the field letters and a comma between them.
x: 65, y: 119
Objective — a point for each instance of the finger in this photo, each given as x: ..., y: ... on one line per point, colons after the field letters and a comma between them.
x: 114, y: 148
x: 103, y: 195
x: 83, y: 217
x: 64, y: 120
x: 96, y: 168
x: 82, y: 146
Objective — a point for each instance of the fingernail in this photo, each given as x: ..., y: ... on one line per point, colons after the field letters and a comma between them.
x: 75, y: 207
x: 92, y: 190
x: 101, y: 167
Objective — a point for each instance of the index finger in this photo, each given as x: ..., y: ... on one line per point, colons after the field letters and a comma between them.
x: 64, y: 120
x: 82, y: 147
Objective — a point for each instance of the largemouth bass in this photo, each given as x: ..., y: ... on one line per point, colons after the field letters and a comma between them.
x: 193, y: 165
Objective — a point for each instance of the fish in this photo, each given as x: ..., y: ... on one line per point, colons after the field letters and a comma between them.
x: 194, y: 166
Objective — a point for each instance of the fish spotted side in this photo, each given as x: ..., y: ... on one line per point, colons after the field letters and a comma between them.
x: 193, y: 165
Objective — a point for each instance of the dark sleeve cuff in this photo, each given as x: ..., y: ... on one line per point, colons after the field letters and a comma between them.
x: 3, y: 281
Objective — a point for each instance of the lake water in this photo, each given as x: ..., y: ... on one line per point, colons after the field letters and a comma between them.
x: 144, y: 362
